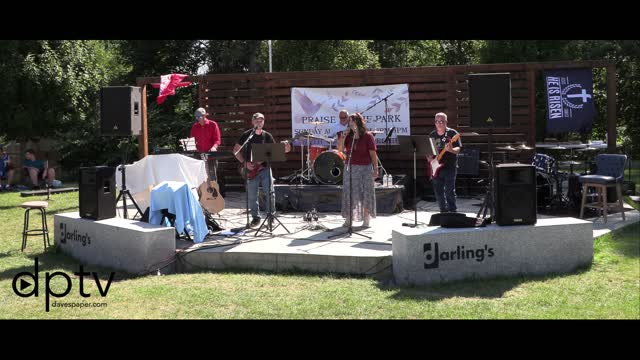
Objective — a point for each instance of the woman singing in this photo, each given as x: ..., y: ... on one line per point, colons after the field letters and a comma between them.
x: 359, y: 178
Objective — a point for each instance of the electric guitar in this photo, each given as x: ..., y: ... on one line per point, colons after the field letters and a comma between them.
x: 434, y: 164
x: 209, y: 191
x: 251, y: 174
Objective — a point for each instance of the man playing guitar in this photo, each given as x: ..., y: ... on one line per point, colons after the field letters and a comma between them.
x: 257, y: 173
x: 444, y: 179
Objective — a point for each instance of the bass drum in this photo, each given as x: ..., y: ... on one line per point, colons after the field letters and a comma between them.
x: 329, y: 167
x: 544, y: 188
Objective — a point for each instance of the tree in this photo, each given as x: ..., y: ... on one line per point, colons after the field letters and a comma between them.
x: 460, y: 52
x: 406, y: 53
x: 50, y: 86
x: 307, y: 55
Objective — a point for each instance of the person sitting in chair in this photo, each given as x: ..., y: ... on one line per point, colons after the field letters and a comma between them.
x: 38, y: 169
x: 6, y: 169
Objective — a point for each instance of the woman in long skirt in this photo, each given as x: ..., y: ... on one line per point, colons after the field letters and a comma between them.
x: 361, y: 169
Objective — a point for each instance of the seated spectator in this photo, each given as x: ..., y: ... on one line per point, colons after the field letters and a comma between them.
x: 38, y: 169
x: 6, y: 169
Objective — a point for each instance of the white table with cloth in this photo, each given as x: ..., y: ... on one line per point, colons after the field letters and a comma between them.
x: 177, y: 198
x: 151, y: 170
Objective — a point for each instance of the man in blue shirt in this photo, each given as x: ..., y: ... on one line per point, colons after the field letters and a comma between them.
x: 38, y: 169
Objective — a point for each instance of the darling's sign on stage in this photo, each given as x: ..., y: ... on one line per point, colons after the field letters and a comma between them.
x: 315, y: 110
x: 569, y: 100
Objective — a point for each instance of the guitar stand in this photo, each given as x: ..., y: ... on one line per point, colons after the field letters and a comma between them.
x: 212, y: 224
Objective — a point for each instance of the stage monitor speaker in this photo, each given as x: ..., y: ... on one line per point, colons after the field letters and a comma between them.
x: 490, y: 100
x: 97, y: 192
x: 120, y: 111
x: 515, y: 194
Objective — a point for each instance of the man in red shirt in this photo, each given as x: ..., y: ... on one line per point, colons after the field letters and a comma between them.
x: 206, y: 132
x: 207, y: 136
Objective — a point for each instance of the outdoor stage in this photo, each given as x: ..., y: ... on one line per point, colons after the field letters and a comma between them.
x: 143, y: 248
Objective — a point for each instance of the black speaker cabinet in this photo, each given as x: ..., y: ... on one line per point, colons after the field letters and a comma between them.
x: 490, y: 100
x: 469, y: 161
x: 515, y: 194
x: 97, y: 192
x: 120, y: 111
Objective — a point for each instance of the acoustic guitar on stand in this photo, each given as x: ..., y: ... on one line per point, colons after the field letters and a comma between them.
x: 209, y: 191
x: 434, y: 164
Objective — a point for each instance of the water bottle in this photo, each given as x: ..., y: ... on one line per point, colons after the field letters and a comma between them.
x: 390, y: 181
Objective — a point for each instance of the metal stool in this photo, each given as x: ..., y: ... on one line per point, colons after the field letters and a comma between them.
x: 44, y: 231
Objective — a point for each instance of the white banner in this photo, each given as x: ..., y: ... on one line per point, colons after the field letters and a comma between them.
x: 315, y: 110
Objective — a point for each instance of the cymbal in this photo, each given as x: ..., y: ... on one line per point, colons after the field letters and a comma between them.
x: 302, y: 134
x: 588, y: 148
x: 375, y: 132
x: 507, y: 148
x: 469, y: 134
x: 523, y: 147
x: 320, y: 138
x: 315, y: 122
x: 570, y: 162
x: 557, y: 147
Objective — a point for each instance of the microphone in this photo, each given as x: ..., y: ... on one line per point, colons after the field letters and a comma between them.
x: 389, y: 134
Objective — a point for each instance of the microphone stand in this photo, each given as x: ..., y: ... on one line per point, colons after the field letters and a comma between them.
x: 246, y: 178
x: 386, y: 128
x: 350, y: 229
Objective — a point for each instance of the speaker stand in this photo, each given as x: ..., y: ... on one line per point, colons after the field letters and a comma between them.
x: 124, y: 194
x: 488, y: 204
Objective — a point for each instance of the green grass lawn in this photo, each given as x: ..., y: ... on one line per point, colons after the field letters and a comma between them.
x: 610, y: 288
x: 635, y: 176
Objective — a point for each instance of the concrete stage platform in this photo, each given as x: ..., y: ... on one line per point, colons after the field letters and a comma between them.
x: 312, y: 250
x: 141, y: 248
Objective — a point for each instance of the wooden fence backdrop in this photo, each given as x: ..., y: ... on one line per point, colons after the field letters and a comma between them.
x: 231, y: 99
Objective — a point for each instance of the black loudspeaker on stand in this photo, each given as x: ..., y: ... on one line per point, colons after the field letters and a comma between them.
x: 515, y: 194
x: 97, y: 192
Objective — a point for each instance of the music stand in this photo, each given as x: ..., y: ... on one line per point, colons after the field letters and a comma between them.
x: 269, y: 153
x: 424, y: 146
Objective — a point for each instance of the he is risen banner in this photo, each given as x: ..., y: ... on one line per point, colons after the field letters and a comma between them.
x: 569, y: 100
x: 315, y: 110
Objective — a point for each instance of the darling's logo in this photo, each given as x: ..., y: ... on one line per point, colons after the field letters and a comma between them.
x: 24, y: 284
x: 73, y: 236
x: 432, y: 256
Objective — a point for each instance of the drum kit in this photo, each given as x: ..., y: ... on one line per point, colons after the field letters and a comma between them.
x: 574, y: 154
x: 324, y: 165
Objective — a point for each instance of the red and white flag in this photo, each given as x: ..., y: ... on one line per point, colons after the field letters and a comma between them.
x: 168, y: 85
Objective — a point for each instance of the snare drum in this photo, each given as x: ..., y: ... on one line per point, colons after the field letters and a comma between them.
x: 329, y: 167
